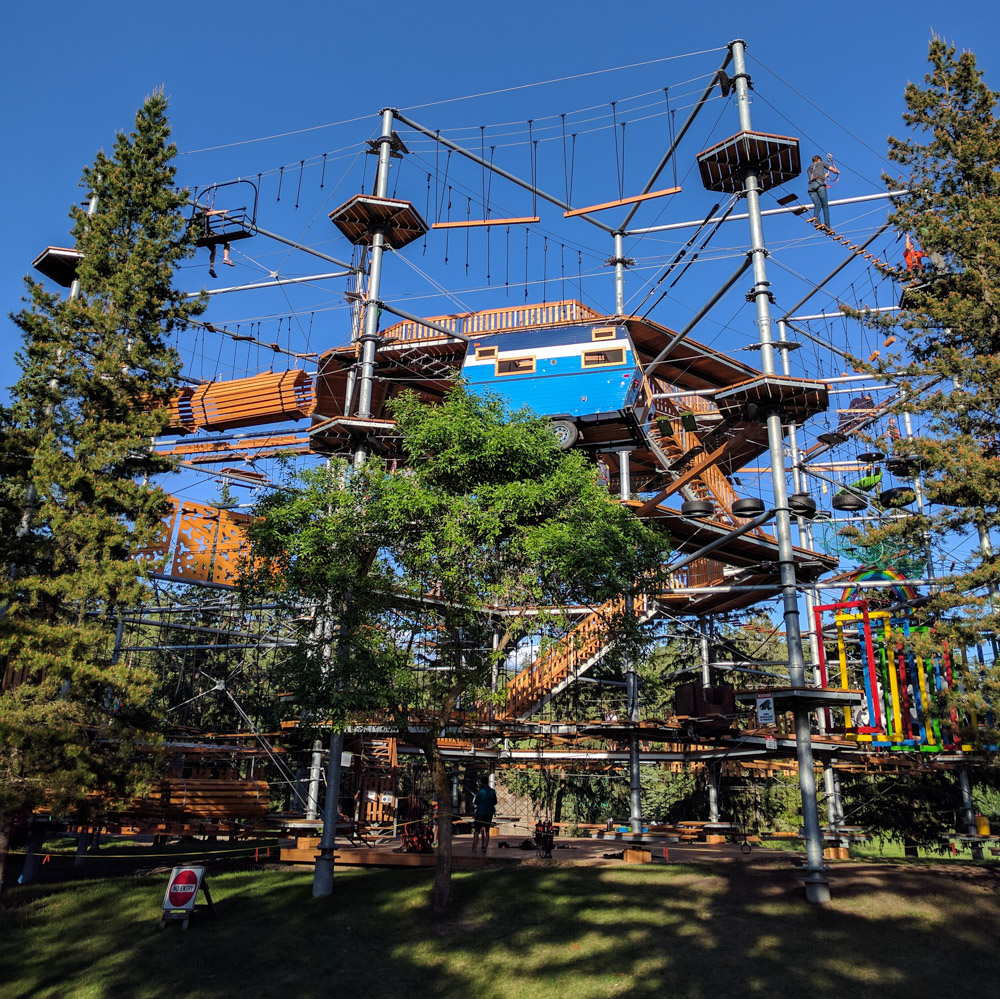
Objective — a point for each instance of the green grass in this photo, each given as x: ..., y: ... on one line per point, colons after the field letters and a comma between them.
x: 562, y: 932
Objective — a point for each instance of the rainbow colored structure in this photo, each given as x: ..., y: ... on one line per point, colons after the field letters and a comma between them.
x: 905, y: 694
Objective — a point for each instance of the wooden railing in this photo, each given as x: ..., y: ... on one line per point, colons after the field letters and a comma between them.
x: 561, y: 660
x: 493, y: 320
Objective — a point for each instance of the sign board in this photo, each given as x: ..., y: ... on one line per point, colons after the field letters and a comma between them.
x: 770, y: 742
x: 182, y: 888
x: 182, y: 893
x: 765, y: 708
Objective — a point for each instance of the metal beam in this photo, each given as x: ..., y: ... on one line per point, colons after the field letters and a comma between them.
x: 277, y: 282
x: 798, y: 209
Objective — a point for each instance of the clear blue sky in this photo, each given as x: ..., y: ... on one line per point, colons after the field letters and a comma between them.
x: 832, y: 74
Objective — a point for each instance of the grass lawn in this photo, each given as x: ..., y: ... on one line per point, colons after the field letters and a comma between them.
x: 565, y: 932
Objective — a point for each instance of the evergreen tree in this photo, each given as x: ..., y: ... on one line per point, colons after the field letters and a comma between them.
x: 423, y: 581
x: 950, y: 371
x: 75, y: 471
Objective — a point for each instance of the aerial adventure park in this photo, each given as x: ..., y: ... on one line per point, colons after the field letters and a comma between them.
x: 785, y: 638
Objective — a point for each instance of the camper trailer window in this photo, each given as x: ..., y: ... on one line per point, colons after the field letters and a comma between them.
x: 603, y: 333
x: 515, y: 366
x: 486, y: 353
x: 600, y: 358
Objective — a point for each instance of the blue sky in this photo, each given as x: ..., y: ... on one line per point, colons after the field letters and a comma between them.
x: 316, y: 75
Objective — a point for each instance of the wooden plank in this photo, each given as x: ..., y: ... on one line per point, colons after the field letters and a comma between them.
x: 469, y: 223
x: 635, y: 199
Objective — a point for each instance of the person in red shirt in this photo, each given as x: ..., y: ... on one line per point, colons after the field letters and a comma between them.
x: 913, y: 257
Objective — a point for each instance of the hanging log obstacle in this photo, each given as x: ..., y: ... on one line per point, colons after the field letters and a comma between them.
x: 271, y: 397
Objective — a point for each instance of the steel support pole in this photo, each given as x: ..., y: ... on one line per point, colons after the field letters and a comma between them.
x: 631, y: 678
x: 816, y: 882
x: 323, y: 876
x: 370, y: 335
x: 805, y: 528
x: 315, y: 775
x: 619, y: 262
x: 970, y: 812
x: 714, y: 769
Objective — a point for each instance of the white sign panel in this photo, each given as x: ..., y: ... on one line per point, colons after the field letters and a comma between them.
x: 182, y: 888
x: 765, y: 708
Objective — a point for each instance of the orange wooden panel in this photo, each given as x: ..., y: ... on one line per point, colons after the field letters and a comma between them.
x: 635, y: 199
x: 469, y: 223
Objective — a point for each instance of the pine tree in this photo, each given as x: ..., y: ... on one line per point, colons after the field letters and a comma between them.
x: 950, y: 371
x: 75, y: 472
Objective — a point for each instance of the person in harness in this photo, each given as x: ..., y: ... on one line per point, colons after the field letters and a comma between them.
x: 817, y: 173
x: 485, y: 805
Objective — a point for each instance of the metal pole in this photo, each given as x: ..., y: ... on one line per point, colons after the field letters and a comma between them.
x: 805, y: 528
x: 315, y: 775
x: 323, y: 876
x: 713, y: 768
x: 631, y: 679
x: 816, y: 882
x: 970, y: 812
x: 303, y: 248
x: 276, y: 283
x: 619, y: 262
x: 370, y: 335
x: 673, y: 226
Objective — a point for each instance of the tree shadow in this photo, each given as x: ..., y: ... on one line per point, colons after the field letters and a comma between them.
x: 736, y: 929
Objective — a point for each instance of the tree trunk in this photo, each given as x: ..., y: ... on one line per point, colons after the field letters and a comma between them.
x: 6, y: 828
x: 441, y: 895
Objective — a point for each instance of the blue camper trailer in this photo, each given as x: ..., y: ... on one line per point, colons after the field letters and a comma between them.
x: 585, y: 378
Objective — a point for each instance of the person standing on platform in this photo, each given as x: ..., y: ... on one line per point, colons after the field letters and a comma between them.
x: 485, y: 808
x: 817, y: 173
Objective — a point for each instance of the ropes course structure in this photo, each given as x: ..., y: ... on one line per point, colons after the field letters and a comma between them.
x: 674, y: 418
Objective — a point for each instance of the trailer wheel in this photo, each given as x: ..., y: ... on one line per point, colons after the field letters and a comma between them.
x: 566, y: 433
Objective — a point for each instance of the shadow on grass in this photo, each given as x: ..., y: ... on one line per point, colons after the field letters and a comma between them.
x: 705, y: 933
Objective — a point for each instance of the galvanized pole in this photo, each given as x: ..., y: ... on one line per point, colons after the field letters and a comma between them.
x: 713, y: 767
x: 970, y: 812
x: 315, y: 772
x: 631, y: 678
x: 370, y: 334
x: 323, y: 875
x: 619, y: 261
x: 816, y: 882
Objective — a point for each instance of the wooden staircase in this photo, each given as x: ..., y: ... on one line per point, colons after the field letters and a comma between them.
x: 376, y: 805
x: 556, y: 668
x: 687, y: 450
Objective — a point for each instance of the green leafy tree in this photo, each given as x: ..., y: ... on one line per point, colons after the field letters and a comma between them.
x: 424, y: 580
x: 75, y: 465
x: 950, y: 370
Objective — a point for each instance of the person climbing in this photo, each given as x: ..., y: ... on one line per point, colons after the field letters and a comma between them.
x: 485, y: 805
x: 817, y: 173
x: 913, y: 257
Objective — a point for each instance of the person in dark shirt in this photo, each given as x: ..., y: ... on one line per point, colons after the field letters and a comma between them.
x: 817, y: 174
x: 485, y: 805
